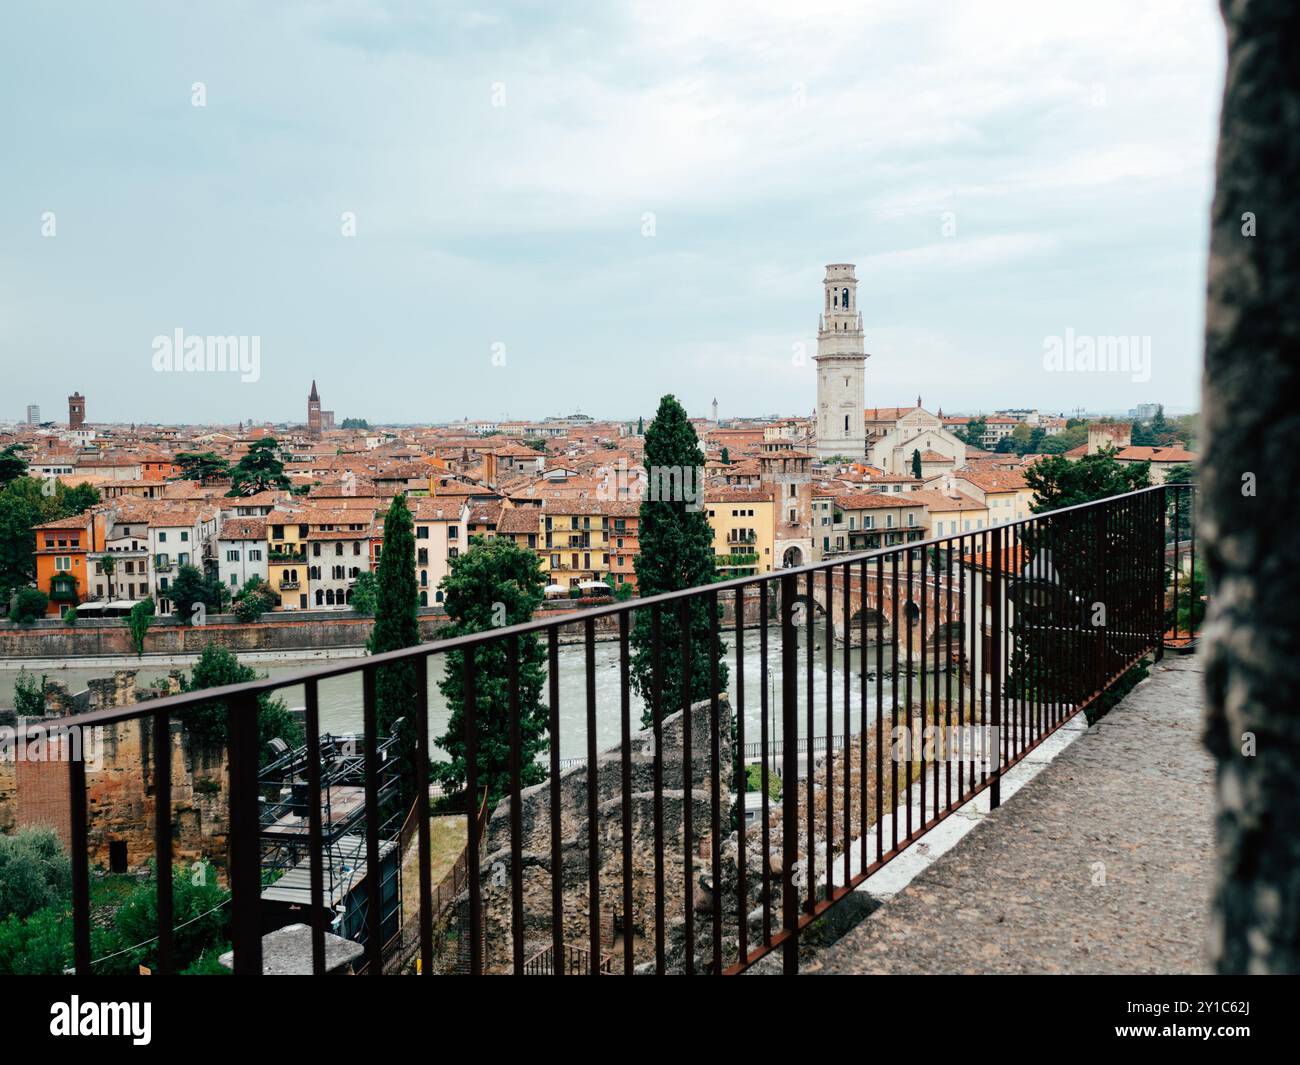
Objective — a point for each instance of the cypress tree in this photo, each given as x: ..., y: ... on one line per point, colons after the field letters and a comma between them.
x: 676, y: 553
x: 397, y: 626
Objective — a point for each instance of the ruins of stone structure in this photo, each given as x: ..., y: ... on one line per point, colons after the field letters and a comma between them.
x: 120, y: 782
x: 535, y: 808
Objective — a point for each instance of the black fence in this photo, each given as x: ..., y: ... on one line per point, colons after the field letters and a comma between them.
x: 990, y: 639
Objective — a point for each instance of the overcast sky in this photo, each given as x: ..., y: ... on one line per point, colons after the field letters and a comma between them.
x: 555, y: 214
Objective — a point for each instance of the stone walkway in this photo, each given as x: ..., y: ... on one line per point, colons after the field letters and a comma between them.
x: 1102, y: 863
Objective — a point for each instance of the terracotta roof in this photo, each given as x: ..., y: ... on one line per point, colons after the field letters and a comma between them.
x: 243, y: 529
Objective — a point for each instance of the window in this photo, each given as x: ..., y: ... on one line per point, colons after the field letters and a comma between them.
x: 185, y: 535
x: 453, y: 532
x: 422, y: 532
x: 162, y: 539
x: 232, y: 556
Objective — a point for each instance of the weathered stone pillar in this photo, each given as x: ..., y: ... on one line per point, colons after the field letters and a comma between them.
x: 1251, y: 506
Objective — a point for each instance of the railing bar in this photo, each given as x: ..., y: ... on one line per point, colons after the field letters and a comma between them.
x: 830, y: 732
x: 374, y: 874
x: 245, y: 849
x: 918, y: 742
x: 863, y: 855
x: 688, y: 772
x: 715, y: 778
x: 790, y: 775
x: 810, y: 711
x: 907, y: 703
x: 995, y: 664
x: 79, y: 833
x: 469, y: 679
x: 593, y: 807
x: 657, y: 698
x: 162, y: 754
x: 893, y: 761
x: 625, y: 719
x: 880, y: 705
x: 763, y: 772
x: 516, y: 813
x: 557, y: 858
x: 315, y: 833
x: 742, y: 783
x: 846, y: 755
x: 422, y: 812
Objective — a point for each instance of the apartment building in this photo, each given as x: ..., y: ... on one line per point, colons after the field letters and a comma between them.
x: 242, y: 552
x: 743, y: 521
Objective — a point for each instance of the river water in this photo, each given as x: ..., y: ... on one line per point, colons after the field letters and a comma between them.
x: 340, y: 697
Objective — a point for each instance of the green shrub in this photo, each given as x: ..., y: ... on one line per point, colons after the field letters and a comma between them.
x: 29, y: 604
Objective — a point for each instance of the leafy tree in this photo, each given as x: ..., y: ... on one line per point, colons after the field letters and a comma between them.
x: 202, y: 466
x: 396, y: 626
x: 355, y: 423
x: 200, y: 921
x: 365, y: 593
x: 29, y: 604
x: 259, y: 470
x: 12, y: 464
x: 37, y: 945
x: 109, y: 565
x: 189, y: 587
x: 916, y: 463
x: 26, y: 502
x: 138, y: 622
x: 495, y: 583
x: 535, y: 443
x: 1061, y: 482
x: 34, y: 872
x: 218, y: 666
x: 676, y: 553
x: 253, y: 600
x: 29, y: 695
x: 726, y: 457
x: 973, y: 434
x: 70, y: 616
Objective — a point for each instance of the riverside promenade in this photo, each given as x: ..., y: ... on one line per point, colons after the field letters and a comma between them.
x: 1102, y: 863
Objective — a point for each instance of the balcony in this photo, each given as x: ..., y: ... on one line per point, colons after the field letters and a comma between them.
x: 287, y: 585
x: 909, y: 612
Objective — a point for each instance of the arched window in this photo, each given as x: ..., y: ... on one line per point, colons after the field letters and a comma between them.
x: 320, y: 597
x: 424, y: 598
x: 846, y: 423
x: 844, y: 299
x: 835, y: 299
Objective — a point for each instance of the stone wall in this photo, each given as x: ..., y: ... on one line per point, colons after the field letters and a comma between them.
x: 120, y: 783
x: 535, y: 807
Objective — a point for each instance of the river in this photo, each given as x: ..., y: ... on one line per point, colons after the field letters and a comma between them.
x: 340, y: 697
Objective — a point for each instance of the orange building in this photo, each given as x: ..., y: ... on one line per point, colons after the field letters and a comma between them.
x: 61, y: 567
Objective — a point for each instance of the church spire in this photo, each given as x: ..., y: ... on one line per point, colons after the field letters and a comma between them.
x: 313, y: 394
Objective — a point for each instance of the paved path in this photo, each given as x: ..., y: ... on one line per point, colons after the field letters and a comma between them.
x: 1100, y: 864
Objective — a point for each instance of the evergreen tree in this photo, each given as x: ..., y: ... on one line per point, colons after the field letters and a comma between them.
x: 190, y: 588
x: 259, y: 469
x: 676, y: 553
x: 202, y: 466
x: 397, y: 626
x: 12, y: 464
x: 916, y: 463
x: 217, y: 666
x: 495, y: 583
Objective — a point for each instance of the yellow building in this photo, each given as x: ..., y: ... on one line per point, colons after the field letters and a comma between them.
x: 743, y: 521
x: 286, y: 559
x: 576, y: 536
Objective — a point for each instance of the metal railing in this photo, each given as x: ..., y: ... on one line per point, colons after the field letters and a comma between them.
x: 1006, y: 632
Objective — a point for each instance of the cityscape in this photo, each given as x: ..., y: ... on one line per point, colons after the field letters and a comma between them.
x: 750, y: 502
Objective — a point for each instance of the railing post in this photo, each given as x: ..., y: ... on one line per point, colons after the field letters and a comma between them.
x: 1160, y: 574
x: 995, y: 665
x: 790, y: 773
x: 245, y: 830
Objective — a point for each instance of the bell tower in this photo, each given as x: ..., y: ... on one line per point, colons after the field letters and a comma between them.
x: 841, y: 367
